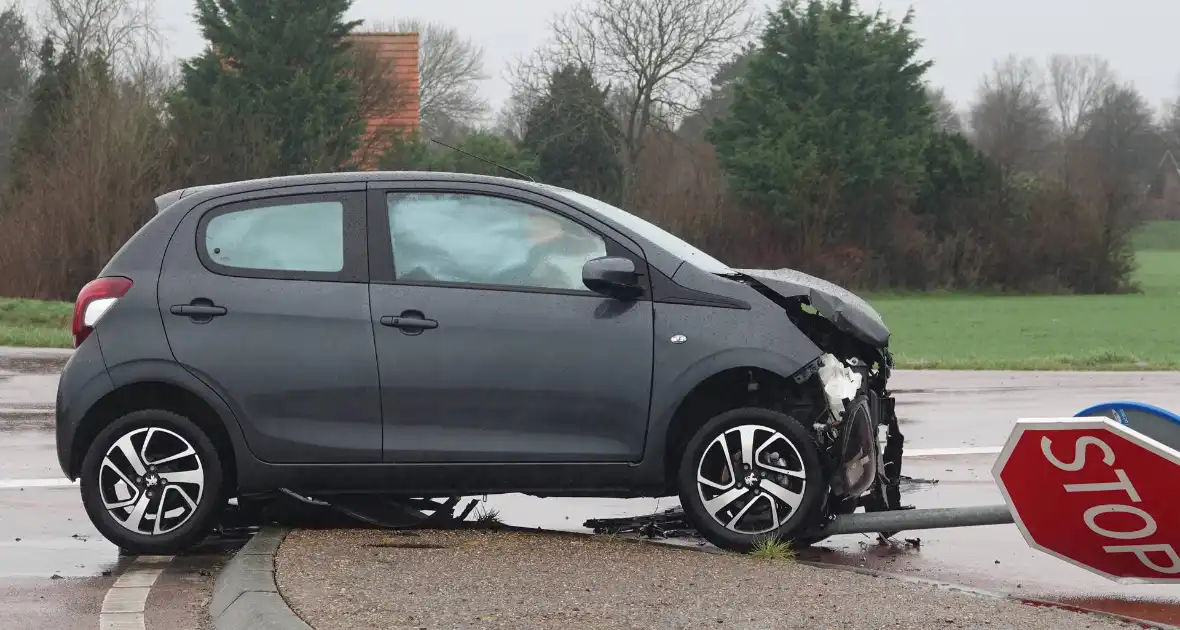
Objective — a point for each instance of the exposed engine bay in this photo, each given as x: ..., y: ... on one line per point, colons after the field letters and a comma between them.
x: 845, y: 390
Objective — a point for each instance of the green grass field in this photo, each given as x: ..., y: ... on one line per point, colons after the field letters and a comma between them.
x: 1085, y: 332
x: 954, y: 331
x: 35, y: 324
x: 1089, y: 332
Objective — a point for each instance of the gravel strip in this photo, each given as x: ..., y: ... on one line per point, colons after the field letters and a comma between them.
x: 352, y: 579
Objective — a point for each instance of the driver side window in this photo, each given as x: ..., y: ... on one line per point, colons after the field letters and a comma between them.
x: 482, y: 239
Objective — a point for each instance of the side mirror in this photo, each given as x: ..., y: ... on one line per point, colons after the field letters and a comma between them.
x: 612, y: 276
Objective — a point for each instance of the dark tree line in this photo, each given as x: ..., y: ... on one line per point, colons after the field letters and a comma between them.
x: 807, y: 136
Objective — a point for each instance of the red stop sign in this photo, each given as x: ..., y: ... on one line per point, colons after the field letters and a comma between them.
x: 1097, y: 494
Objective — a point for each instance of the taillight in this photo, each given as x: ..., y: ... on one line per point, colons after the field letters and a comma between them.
x: 94, y: 300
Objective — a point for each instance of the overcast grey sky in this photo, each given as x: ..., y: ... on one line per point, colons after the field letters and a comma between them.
x: 963, y: 37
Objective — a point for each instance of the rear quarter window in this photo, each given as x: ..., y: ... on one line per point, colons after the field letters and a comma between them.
x: 290, y: 237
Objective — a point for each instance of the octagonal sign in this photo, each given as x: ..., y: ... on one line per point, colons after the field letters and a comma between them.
x: 1097, y: 494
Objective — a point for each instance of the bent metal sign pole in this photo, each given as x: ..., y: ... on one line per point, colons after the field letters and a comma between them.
x: 1091, y: 491
x: 1097, y: 494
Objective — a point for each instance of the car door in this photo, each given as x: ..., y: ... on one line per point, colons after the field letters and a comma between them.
x: 489, y: 347
x: 265, y: 298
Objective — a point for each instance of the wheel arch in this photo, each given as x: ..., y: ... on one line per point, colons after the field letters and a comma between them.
x: 728, y: 380
x: 162, y: 385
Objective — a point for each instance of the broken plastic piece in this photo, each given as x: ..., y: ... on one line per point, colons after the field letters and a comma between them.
x: 840, y: 383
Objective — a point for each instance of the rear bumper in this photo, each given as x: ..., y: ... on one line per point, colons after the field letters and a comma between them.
x: 84, y: 381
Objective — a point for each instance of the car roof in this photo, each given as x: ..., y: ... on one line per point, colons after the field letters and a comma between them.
x: 349, y: 176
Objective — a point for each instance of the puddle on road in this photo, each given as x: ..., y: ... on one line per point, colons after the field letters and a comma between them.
x: 56, y: 558
x: 1159, y: 611
x: 46, y: 533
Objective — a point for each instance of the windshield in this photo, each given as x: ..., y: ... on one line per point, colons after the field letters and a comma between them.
x: 672, y: 244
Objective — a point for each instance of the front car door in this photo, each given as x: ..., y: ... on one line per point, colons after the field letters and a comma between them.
x: 264, y: 297
x: 489, y: 346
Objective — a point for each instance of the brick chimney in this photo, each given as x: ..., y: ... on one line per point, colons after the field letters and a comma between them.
x: 400, y: 51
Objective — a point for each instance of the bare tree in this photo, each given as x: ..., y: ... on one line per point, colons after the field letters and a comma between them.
x: 450, y: 69
x: 1011, y: 120
x: 1120, y: 130
x: 1119, y: 150
x: 122, y: 33
x: 1077, y: 85
x: 1169, y: 124
x: 946, y: 117
x: 512, y: 119
x: 659, y: 55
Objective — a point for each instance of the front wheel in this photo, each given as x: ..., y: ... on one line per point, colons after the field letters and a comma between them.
x: 151, y: 483
x: 750, y: 474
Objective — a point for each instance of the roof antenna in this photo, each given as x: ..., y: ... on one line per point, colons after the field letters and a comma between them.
x: 483, y: 159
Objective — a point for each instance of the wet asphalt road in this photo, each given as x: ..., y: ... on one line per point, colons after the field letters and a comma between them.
x: 55, y: 570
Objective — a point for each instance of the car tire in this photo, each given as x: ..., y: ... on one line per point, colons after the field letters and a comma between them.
x: 786, y: 470
x: 152, y: 483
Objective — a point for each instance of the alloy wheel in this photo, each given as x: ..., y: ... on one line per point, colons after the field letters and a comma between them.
x: 751, y: 479
x: 151, y: 481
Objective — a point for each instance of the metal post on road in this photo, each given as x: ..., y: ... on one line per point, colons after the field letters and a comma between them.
x: 1093, y: 491
x: 905, y: 520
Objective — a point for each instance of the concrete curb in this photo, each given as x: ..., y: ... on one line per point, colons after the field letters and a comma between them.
x: 245, y: 595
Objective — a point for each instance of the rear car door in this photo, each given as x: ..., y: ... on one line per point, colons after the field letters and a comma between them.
x: 490, y: 348
x: 264, y: 298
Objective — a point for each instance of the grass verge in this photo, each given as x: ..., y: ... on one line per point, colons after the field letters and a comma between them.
x: 35, y: 323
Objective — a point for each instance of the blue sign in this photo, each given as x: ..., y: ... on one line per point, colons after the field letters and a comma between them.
x: 1158, y: 424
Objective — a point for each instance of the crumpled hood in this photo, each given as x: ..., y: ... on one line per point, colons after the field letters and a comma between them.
x: 845, y: 309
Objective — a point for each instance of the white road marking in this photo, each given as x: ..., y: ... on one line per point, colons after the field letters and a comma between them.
x: 56, y: 482
x: 950, y: 452
x: 124, y: 604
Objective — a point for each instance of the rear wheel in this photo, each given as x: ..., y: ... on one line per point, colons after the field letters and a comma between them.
x: 750, y: 474
x: 151, y: 483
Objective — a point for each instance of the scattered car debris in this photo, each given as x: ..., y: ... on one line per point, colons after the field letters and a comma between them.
x: 671, y: 523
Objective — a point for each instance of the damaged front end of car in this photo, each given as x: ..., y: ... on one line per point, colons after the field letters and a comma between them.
x: 848, y: 386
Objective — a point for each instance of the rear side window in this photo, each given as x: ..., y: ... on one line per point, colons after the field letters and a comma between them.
x: 290, y: 237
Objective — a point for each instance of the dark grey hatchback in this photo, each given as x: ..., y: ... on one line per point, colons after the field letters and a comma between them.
x: 436, y: 335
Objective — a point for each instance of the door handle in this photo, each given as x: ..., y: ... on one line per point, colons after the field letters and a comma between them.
x: 200, y: 310
x: 409, y: 324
